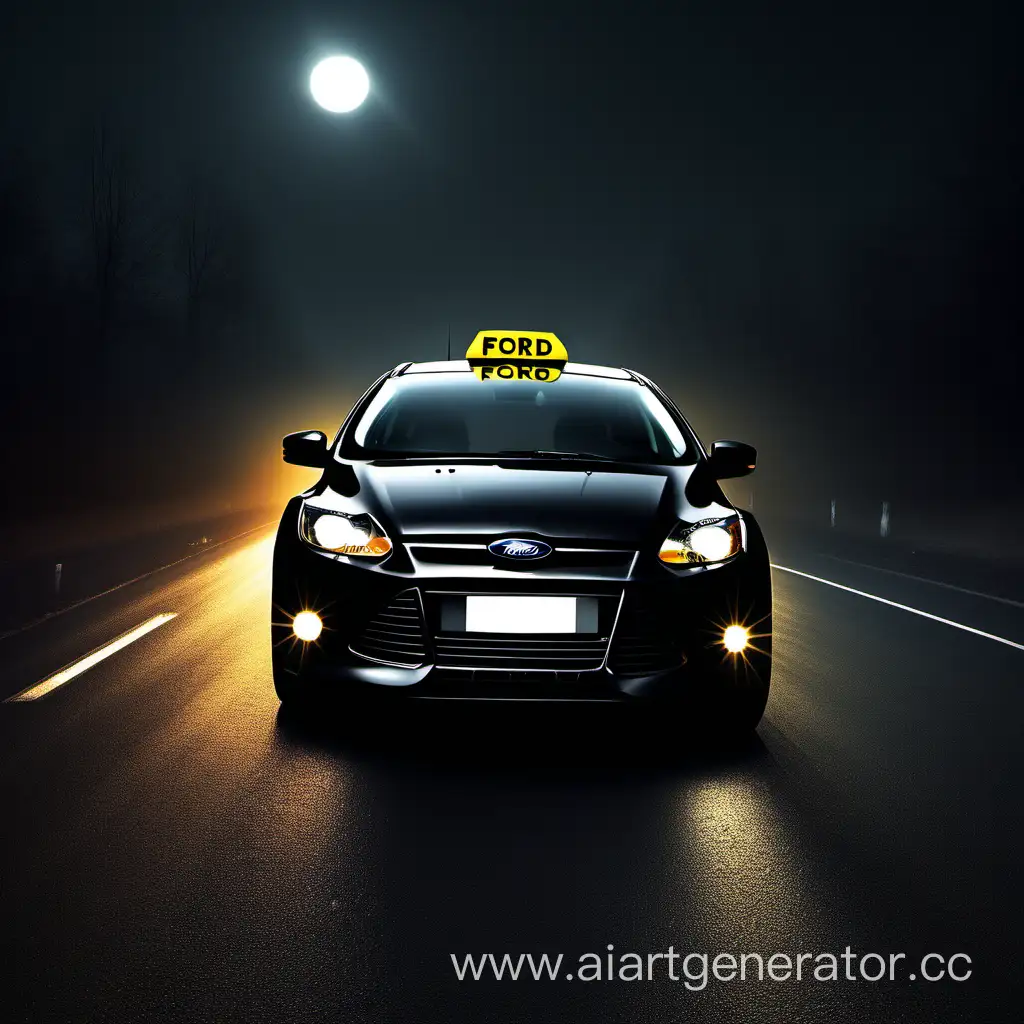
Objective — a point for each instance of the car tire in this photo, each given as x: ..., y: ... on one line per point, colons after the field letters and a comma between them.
x: 743, y: 712
x: 739, y: 692
x: 745, y: 680
x: 288, y: 686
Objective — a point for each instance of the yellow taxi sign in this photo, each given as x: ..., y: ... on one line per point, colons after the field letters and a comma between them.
x: 517, y: 355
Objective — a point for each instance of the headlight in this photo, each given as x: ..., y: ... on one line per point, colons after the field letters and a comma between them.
x: 344, y: 535
x: 703, y: 543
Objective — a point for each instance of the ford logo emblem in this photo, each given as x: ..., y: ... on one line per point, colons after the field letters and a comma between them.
x: 516, y: 547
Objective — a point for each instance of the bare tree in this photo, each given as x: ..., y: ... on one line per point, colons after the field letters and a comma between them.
x: 217, y: 267
x: 30, y: 299
x: 201, y: 259
x: 113, y: 200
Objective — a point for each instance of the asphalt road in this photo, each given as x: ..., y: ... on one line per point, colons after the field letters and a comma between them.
x: 175, y: 849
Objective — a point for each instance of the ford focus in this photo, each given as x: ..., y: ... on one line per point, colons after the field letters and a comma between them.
x: 490, y: 536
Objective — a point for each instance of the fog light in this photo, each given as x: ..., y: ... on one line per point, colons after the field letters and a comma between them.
x: 307, y: 626
x: 735, y: 638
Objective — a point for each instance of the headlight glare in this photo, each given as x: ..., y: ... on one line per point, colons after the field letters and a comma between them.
x: 735, y: 638
x: 307, y: 626
x: 702, y: 543
x: 359, y: 536
x: 712, y: 543
x: 337, y: 532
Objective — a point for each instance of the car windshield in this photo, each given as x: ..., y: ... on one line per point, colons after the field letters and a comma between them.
x: 453, y: 413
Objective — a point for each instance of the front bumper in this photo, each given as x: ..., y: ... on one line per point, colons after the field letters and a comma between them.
x: 658, y: 633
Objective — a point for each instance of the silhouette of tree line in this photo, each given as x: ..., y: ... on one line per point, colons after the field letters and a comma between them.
x: 129, y: 302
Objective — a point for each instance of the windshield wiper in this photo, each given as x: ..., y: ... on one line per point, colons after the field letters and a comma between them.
x: 542, y: 454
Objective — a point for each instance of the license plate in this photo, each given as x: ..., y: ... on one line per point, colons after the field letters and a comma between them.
x: 520, y: 614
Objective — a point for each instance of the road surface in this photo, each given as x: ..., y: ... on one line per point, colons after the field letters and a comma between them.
x: 174, y: 848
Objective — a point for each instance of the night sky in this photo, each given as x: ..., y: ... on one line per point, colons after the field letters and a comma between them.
x: 802, y: 221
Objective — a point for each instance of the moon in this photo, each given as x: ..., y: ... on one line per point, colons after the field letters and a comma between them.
x: 339, y: 84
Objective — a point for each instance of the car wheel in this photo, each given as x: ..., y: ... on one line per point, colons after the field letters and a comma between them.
x: 743, y: 711
x: 740, y: 688
x: 739, y: 692
x: 288, y: 686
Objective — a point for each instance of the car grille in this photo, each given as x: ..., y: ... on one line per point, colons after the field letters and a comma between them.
x: 395, y: 635
x: 645, y: 641
x: 571, y: 654
x: 606, y: 564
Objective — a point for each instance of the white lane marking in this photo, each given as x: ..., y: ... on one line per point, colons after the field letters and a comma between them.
x: 934, y: 583
x: 83, y: 664
x: 903, y: 607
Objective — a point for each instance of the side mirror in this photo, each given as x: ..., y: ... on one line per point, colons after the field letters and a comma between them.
x: 306, y: 448
x: 731, y: 459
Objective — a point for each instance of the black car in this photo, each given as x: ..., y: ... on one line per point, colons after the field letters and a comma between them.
x: 512, y: 539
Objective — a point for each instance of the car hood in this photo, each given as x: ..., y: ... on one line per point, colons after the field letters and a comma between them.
x: 578, y: 501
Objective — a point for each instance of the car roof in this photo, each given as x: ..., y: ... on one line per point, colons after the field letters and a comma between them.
x: 462, y: 365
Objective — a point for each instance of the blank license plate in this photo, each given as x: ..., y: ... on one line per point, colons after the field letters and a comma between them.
x: 514, y: 614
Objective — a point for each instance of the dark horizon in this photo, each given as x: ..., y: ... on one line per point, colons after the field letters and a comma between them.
x: 804, y: 225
